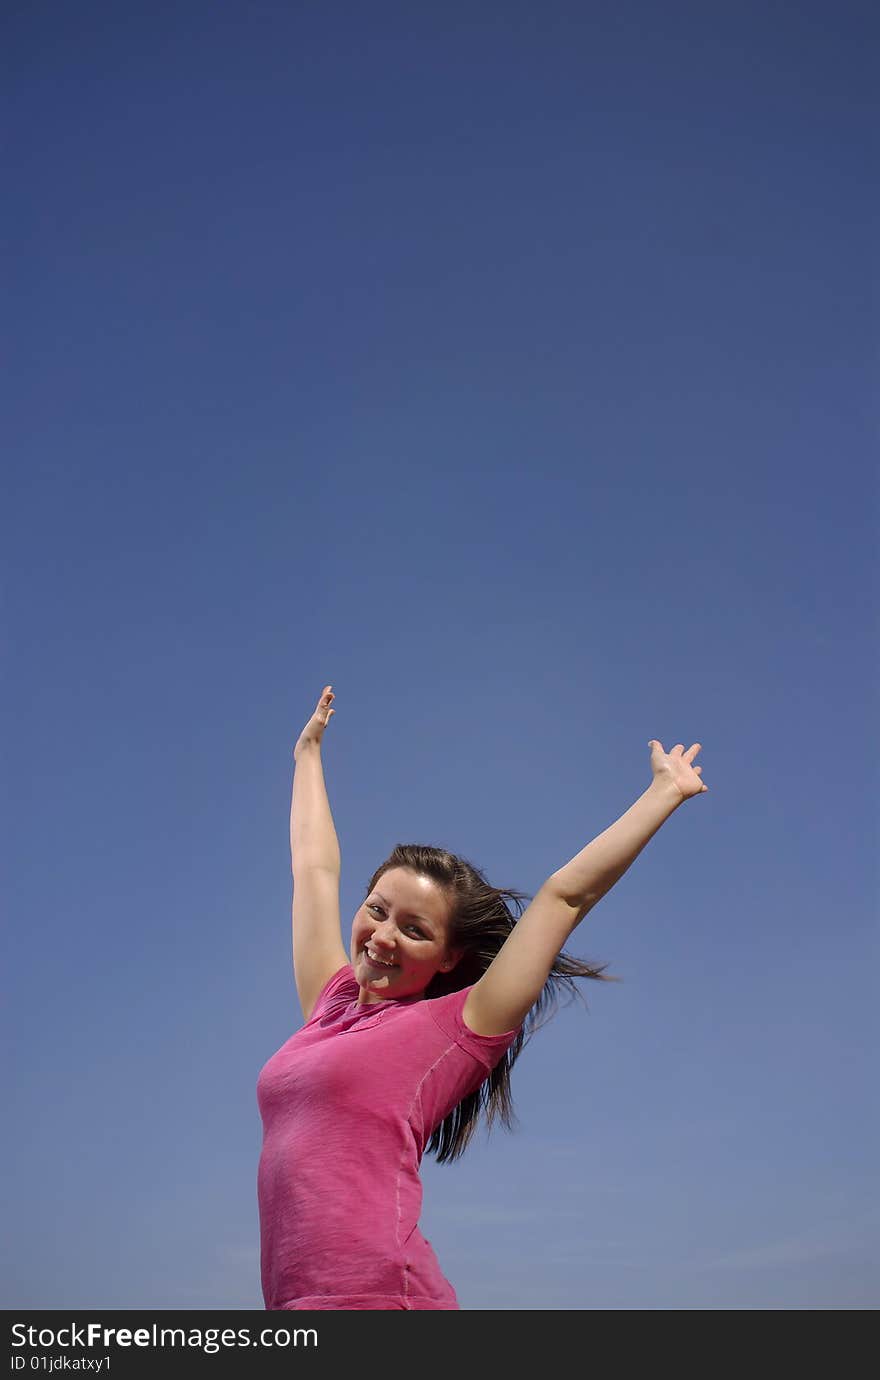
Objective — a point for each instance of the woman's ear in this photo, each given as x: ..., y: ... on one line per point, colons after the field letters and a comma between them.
x: 451, y: 961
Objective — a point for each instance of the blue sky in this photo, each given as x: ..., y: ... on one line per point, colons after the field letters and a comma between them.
x: 512, y: 369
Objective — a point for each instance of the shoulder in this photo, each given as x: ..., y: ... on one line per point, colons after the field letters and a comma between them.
x: 335, y: 995
x: 448, y: 1013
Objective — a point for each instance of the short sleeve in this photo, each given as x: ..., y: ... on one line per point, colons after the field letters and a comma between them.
x: 447, y: 1014
x: 335, y: 995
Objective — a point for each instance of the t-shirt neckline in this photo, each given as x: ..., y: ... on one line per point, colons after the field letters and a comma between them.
x: 388, y: 1004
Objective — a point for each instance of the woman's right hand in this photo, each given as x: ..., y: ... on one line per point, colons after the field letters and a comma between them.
x: 314, y: 729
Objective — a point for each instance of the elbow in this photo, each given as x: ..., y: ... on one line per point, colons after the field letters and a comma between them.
x: 579, y: 905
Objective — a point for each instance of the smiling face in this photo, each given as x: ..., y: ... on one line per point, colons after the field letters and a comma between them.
x: 399, y: 937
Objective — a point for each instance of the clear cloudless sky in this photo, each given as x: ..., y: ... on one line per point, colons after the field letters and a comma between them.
x: 511, y: 368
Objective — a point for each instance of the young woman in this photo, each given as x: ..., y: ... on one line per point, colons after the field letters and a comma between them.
x: 407, y: 1037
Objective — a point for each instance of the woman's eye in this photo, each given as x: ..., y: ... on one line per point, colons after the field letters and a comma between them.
x: 413, y: 929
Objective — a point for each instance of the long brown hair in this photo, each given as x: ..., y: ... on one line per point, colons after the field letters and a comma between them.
x: 480, y: 921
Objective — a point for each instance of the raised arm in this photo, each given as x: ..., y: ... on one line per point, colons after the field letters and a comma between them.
x: 513, y: 981
x: 318, y: 950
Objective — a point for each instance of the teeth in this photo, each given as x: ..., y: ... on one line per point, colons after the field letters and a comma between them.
x: 374, y: 958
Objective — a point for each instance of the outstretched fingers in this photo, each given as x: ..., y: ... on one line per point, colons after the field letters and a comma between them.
x: 325, y: 702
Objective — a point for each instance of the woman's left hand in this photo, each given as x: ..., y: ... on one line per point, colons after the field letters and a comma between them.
x: 674, y: 768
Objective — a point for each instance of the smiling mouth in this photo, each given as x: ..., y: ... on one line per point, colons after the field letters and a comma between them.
x: 377, y: 962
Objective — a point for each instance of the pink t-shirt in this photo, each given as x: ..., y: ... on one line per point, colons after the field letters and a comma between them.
x: 348, y: 1105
